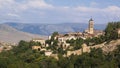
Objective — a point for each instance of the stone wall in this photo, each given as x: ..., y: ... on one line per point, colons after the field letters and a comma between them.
x: 105, y: 47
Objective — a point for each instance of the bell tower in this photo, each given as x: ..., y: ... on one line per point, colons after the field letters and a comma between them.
x: 91, y: 26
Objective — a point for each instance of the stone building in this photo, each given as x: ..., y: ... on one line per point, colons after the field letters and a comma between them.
x: 48, y: 53
x: 91, y: 32
x: 118, y: 31
x: 36, y: 48
x: 85, y: 48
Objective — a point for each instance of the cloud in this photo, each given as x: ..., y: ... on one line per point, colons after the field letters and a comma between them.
x: 106, y: 14
x: 40, y: 10
x: 112, y: 8
x: 86, y: 9
x: 109, y: 9
x: 38, y: 4
x: 13, y: 15
x: 6, y: 3
x: 24, y: 5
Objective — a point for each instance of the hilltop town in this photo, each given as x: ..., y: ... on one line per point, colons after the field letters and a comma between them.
x: 63, y: 42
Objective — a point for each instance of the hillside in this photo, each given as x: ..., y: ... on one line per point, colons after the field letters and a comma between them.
x: 48, y: 29
x: 10, y: 35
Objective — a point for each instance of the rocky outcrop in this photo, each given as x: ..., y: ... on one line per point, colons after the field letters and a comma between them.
x: 106, y: 47
x: 111, y: 46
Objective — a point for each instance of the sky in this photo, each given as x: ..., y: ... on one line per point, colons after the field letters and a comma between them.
x: 59, y: 11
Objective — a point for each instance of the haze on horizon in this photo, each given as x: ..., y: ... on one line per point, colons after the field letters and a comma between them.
x: 59, y: 11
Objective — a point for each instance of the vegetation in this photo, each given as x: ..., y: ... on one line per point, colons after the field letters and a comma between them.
x: 111, y: 30
x: 76, y: 43
x: 24, y: 57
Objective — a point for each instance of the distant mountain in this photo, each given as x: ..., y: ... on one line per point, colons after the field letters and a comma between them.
x: 11, y: 35
x: 47, y: 29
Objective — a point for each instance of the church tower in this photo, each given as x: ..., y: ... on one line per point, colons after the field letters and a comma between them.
x: 91, y: 26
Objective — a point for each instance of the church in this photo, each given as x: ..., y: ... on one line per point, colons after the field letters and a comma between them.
x: 90, y: 29
x: 91, y: 32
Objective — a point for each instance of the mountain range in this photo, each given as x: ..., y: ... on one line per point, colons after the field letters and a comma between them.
x: 48, y: 29
x: 11, y: 35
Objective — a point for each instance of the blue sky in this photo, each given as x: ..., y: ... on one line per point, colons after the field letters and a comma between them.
x: 59, y: 11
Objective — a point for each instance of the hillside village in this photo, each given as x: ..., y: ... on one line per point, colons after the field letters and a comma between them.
x: 72, y: 50
x: 61, y: 41
x: 88, y: 33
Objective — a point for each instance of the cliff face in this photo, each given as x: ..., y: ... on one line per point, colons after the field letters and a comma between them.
x: 104, y: 46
